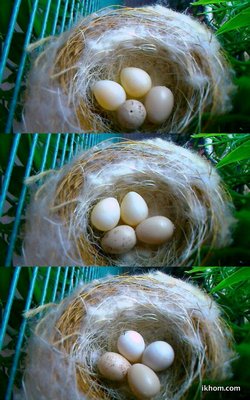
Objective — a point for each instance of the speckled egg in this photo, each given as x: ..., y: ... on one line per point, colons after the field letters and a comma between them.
x: 113, y: 366
x: 119, y: 240
x: 155, y: 230
x: 143, y: 382
x: 131, y: 114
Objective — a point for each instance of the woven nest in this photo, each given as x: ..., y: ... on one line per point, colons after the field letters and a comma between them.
x: 176, y: 50
x: 175, y: 182
x: 70, y: 338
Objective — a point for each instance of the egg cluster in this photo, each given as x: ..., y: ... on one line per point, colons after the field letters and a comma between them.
x: 154, y: 103
x: 146, y: 360
x: 135, y: 224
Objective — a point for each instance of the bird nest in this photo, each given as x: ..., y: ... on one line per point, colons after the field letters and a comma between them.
x: 71, y: 336
x: 175, y: 182
x: 173, y: 48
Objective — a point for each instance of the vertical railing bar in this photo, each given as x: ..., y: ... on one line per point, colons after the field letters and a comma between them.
x: 58, y: 271
x: 64, y: 16
x: 45, y: 19
x: 45, y: 285
x: 71, y: 13
x: 76, y: 13
x: 56, y: 17
x: 76, y: 145
x: 77, y: 277
x: 21, y: 68
x: 21, y: 336
x: 71, y: 146
x: 9, y: 169
x: 64, y: 149
x: 20, y: 202
x: 8, y: 38
x: 64, y: 282
x: 8, y: 305
x: 71, y: 279
x: 45, y: 153
x: 58, y: 137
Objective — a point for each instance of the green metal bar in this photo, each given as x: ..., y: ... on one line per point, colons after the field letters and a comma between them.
x: 64, y: 149
x: 58, y: 271
x: 58, y: 137
x: 71, y: 283
x: 46, y: 284
x: 9, y: 303
x: 45, y: 154
x: 8, y: 171
x: 21, y: 68
x: 8, y: 39
x: 21, y: 336
x: 64, y: 283
x: 56, y: 17
x: 71, y: 13
x: 20, y: 203
x: 64, y: 16
x: 45, y: 21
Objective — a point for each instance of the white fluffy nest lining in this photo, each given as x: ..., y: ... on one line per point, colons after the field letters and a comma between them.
x: 175, y: 182
x: 71, y: 336
x: 176, y: 50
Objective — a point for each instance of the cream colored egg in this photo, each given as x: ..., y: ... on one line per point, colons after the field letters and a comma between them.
x: 106, y: 214
x: 131, y: 114
x: 135, y: 81
x: 109, y: 94
x: 143, y: 381
x: 155, y: 230
x: 131, y: 345
x: 119, y: 240
x: 159, y: 104
x: 158, y: 356
x: 134, y: 209
x: 113, y: 366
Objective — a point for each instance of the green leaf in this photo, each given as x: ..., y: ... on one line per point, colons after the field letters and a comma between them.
x: 239, y: 21
x: 240, y: 153
x: 204, y: 2
x: 242, y: 274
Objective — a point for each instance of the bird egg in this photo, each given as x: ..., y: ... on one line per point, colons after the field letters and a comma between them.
x: 113, y: 366
x: 109, y: 94
x: 158, y: 356
x: 119, y: 240
x: 159, y: 104
x: 105, y: 214
x: 135, y: 81
x: 134, y: 209
x: 131, y: 345
x: 155, y: 230
x: 131, y: 114
x: 143, y: 381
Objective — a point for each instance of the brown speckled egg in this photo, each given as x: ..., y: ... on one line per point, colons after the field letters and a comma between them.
x: 131, y: 114
x: 113, y: 366
x: 119, y: 240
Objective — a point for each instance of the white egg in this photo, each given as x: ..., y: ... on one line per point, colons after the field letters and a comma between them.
x: 134, y: 209
x: 119, y: 240
x: 155, y: 230
x: 131, y: 345
x: 109, y: 94
x: 143, y: 382
x: 159, y: 104
x: 113, y: 366
x: 106, y: 214
x: 135, y: 81
x: 158, y: 356
x: 131, y: 114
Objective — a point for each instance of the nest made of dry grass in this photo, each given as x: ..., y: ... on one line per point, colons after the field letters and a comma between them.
x: 175, y: 182
x: 176, y: 50
x: 71, y: 337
